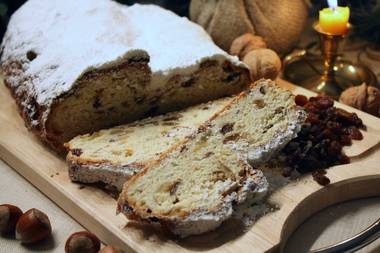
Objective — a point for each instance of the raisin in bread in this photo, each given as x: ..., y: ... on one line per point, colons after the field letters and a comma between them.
x: 113, y: 155
x: 79, y: 66
x: 195, y: 185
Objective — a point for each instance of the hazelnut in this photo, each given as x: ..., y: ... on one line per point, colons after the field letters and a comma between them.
x: 245, y: 43
x: 82, y: 242
x: 110, y: 249
x: 33, y: 226
x: 9, y: 215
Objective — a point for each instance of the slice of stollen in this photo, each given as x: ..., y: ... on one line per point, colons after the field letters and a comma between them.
x: 111, y: 156
x: 195, y: 185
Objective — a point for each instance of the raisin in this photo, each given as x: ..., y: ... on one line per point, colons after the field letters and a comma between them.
x: 323, y: 102
x: 96, y: 104
x: 31, y: 55
x: 183, y: 148
x: 320, y: 177
x: 227, y: 128
x: 188, y: 83
x: 174, y: 187
x: 262, y: 90
x: 327, y: 134
x: 208, y: 154
x: 310, y: 107
x: 354, y: 133
x: 334, y: 126
x: 287, y: 171
x: 301, y: 100
x: 153, y: 219
x: 259, y: 103
x: 312, y: 118
x: 335, y: 148
x: 343, y: 159
x: 76, y: 151
x: 347, y: 117
x: 345, y: 140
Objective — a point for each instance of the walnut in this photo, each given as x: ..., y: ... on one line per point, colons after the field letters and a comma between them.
x: 363, y: 97
x: 263, y: 63
x: 245, y: 43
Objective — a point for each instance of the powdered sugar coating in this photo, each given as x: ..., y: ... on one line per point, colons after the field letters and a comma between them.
x: 67, y: 38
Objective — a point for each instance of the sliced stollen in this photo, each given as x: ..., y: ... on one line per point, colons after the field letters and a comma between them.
x: 75, y: 67
x: 195, y: 185
x: 113, y: 155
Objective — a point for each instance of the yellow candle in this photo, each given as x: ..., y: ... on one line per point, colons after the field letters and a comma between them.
x: 334, y: 20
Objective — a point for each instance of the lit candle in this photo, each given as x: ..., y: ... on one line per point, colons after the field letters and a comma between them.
x: 334, y: 20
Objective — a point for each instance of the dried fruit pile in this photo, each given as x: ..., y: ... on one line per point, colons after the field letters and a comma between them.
x: 319, y: 144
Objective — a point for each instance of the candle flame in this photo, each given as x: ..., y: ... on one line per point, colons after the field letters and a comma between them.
x: 333, y: 4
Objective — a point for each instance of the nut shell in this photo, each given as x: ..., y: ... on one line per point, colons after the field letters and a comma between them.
x: 110, y: 249
x: 9, y: 216
x: 33, y: 226
x: 363, y: 97
x: 82, y: 242
x: 263, y: 63
x: 373, y: 101
x: 245, y: 43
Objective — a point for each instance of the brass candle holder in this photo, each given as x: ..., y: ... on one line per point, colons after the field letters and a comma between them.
x: 327, y: 73
x: 331, y: 47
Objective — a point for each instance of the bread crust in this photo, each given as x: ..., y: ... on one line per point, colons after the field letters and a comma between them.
x: 112, y: 175
x: 46, y: 74
x: 37, y: 116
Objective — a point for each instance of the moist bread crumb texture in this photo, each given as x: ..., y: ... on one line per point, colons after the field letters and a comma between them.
x: 194, y: 187
x: 75, y: 67
x: 113, y: 155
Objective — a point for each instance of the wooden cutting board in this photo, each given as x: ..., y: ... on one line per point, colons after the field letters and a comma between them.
x: 95, y: 210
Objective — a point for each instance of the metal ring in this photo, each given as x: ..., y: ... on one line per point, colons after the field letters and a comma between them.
x: 354, y: 243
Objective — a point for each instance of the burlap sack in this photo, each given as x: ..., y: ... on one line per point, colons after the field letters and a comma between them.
x: 279, y: 22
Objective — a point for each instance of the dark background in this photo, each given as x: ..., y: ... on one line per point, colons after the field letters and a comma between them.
x: 7, y: 7
x: 365, y: 14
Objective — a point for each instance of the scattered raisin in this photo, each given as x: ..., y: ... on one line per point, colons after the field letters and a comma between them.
x: 320, y: 177
x: 76, y: 151
x: 227, y: 128
x: 323, y: 102
x: 354, y: 133
x: 301, y: 100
